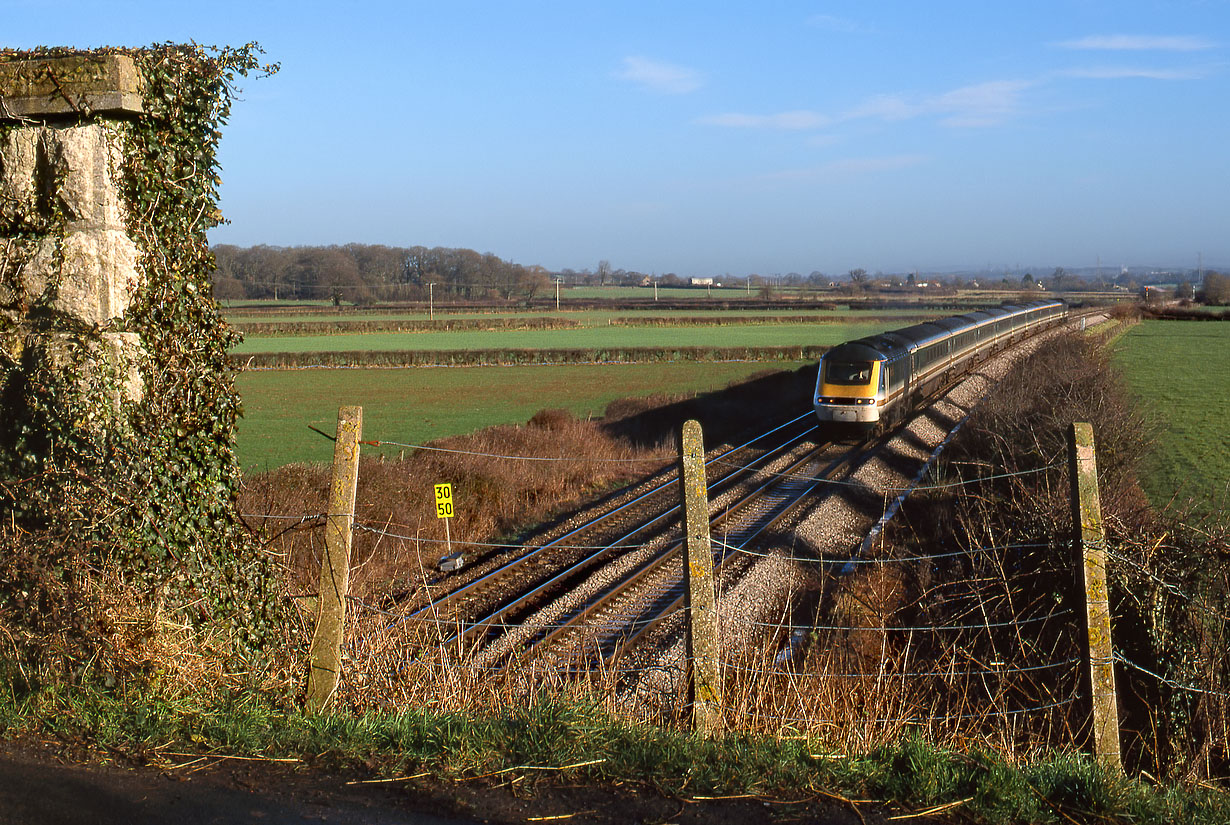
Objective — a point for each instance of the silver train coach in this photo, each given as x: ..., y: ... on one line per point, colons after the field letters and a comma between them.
x: 876, y: 380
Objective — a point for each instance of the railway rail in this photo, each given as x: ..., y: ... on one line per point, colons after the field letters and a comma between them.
x: 596, y: 614
x: 505, y: 586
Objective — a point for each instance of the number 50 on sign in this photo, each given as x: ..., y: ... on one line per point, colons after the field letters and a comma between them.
x: 444, y: 501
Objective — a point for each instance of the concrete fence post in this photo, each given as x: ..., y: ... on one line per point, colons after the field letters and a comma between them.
x: 704, y: 683
x: 1090, y: 546
x: 326, y: 650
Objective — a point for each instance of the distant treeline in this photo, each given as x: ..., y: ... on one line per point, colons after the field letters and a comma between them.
x: 367, y: 274
x: 1181, y: 313
x: 363, y: 274
x: 345, y: 325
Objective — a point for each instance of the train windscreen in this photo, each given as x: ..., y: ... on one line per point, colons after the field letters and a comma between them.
x: 848, y: 373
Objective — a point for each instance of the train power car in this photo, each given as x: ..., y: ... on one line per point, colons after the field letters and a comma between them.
x: 874, y: 381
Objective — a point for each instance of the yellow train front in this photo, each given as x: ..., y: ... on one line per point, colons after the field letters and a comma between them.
x: 851, y: 388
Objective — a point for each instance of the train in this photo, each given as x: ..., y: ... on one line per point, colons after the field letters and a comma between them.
x: 870, y: 383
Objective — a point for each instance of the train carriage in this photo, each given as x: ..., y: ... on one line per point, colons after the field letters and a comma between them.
x: 864, y: 383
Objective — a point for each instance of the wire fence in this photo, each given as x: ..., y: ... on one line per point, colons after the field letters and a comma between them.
x: 970, y: 638
x: 402, y: 638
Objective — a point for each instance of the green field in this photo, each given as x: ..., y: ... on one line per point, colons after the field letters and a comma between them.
x: 1181, y: 370
x: 597, y: 337
x: 583, y: 317
x: 417, y: 405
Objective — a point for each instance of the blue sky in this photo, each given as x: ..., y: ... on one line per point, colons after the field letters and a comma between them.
x: 705, y: 138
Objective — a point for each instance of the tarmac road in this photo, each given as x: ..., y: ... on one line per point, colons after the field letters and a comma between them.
x: 37, y: 789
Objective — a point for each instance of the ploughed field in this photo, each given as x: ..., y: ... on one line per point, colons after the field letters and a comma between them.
x: 1181, y: 370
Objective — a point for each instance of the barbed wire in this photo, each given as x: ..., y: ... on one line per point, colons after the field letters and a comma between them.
x: 433, y: 620
x: 889, y: 674
x: 842, y: 482
x: 718, y: 543
x: 904, y: 720
x: 489, y: 544
x: 918, y: 629
x: 1190, y: 600
x: 657, y: 460
x: 285, y: 518
x: 856, y: 560
x: 1118, y: 657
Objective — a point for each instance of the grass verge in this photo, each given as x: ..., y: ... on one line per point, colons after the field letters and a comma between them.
x: 567, y: 740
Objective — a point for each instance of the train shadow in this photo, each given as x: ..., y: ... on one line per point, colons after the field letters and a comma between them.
x: 766, y: 398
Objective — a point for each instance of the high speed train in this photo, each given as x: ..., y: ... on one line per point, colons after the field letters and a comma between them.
x: 876, y: 380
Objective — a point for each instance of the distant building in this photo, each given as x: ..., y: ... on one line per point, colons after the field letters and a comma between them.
x: 700, y: 282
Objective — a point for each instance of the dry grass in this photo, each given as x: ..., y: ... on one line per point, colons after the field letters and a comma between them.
x: 494, y: 497
x: 973, y: 647
x: 965, y: 630
x: 926, y: 647
x: 984, y: 660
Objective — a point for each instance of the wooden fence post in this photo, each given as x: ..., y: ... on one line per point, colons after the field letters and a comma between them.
x: 1090, y: 541
x: 704, y: 685
x: 326, y: 651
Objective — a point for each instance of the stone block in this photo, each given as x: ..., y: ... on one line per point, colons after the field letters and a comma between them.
x: 124, y: 355
x: 14, y: 253
x: 90, y: 276
x: 103, y: 84
x: 18, y: 162
x: 90, y: 157
x: 72, y: 170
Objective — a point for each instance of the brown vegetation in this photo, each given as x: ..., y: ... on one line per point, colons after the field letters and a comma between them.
x: 1170, y: 579
x: 553, y: 462
x: 965, y: 629
x: 966, y: 625
x: 505, y: 479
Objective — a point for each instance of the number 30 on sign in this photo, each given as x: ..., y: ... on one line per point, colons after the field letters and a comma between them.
x: 444, y: 501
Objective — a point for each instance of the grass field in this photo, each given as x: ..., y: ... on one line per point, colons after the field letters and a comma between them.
x: 1181, y: 369
x: 596, y: 337
x: 583, y: 317
x: 417, y: 405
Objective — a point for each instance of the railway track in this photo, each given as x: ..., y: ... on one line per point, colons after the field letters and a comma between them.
x: 504, y: 587
x: 586, y: 595
x: 620, y: 615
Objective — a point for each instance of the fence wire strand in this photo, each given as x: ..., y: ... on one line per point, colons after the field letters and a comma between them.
x: 479, y: 454
x: 887, y: 489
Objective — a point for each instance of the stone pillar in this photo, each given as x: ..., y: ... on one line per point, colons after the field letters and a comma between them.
x: 68, y: 268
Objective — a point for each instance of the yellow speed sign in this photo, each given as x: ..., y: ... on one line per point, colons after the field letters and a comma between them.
x: 444, y: 500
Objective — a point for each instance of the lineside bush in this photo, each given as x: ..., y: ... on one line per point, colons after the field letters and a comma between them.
x: 1169, y: 577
